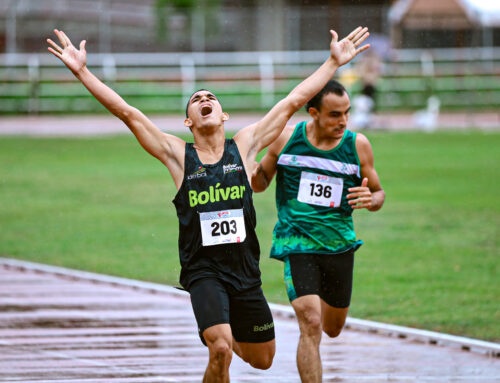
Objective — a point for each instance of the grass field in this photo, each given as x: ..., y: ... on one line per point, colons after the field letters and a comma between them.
x: 430, y: 259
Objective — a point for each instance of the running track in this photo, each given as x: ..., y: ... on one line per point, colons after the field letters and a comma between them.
x: 62, y: 326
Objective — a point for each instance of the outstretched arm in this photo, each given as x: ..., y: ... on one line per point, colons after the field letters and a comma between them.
x: 265, y: 170
x: 255, y: 137
x: 167, y: 148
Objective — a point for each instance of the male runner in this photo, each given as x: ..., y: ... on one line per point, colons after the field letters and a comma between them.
x: 218, y: 248
x: 324, y: 171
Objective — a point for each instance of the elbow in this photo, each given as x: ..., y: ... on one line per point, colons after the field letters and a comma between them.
x: 127, y: 114
x: 292, y: 103
x: 259, y: 183
x: 258, y: 187
x: 295, y: 103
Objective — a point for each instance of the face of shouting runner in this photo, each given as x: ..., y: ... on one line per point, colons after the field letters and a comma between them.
x: 204, y: 111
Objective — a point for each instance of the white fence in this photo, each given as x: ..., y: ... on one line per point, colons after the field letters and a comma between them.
x: 161, y: 82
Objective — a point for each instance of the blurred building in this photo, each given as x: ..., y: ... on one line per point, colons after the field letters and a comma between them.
x: 187, y: 25
x: 445, y: 23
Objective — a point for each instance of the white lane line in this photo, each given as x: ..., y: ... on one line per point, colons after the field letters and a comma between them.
x: 431, y: 337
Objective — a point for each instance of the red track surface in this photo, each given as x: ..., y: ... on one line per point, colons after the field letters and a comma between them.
x: 61, y: 329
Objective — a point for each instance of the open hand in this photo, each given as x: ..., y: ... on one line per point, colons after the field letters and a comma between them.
x: 73, y: 58
x: 361, y: 196
x: 346, y: 49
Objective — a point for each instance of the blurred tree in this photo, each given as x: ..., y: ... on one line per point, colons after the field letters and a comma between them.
x: 192, y: 15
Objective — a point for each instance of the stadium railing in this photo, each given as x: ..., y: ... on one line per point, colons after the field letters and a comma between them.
x: 246, y: 81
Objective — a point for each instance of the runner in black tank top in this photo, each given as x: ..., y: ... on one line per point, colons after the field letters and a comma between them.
x: 223, y: 189
x: 218, y: 248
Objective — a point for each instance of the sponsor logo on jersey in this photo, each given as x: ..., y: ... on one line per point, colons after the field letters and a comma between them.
x: 200, y: 172
x: 215, y: 194
x: 264, y: 327
x: 231, y: 168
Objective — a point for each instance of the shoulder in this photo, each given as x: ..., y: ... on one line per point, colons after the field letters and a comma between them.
x: 363, y: 148
x: 362, y: 141
x: 174, y: 148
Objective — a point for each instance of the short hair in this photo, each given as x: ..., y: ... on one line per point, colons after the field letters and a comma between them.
x: 187, y: 105
x: 331, y: 86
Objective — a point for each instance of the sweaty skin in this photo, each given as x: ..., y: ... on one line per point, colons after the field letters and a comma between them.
x: 324, y: 131
x: 205, y: 118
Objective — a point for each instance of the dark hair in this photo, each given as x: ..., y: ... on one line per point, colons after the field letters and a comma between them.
x: 187, y: 105
x: 331, y: 86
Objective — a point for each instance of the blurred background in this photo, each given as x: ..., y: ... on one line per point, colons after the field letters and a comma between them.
x: 100, y: 203
x: 156, y: 52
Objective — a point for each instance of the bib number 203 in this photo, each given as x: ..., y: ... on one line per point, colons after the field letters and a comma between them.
x: 320, y: 190
x: 224, y: 228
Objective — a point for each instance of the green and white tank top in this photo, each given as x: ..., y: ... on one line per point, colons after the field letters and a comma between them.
x: 313, y: 212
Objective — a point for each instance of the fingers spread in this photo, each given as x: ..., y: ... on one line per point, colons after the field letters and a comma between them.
x: 57, y: 54
x: 360, y: 33
x: 61, y: 38
x: 353, y: 33
x: 68, y: 41
x: 54, y: 45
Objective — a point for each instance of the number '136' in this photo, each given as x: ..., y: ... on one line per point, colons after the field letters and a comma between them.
x: 319, y: 190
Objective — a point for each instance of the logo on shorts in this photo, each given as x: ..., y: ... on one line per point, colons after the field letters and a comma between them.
x: 231, y: 168
x: 200, y: 172
x: 264, y: 327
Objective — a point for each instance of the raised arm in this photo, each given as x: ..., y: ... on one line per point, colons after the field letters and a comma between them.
x: 256, y: 137
x: 167, y: 148
x: 265, y: 170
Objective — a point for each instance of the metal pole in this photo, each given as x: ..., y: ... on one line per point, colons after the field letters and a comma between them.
x: 10, y: 27
x: 104, y: 27
x: 188, y: 75
x: 266, y: 80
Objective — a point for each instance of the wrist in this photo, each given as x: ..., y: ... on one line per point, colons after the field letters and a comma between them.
x: 332, y: 63
x: 81, y: 71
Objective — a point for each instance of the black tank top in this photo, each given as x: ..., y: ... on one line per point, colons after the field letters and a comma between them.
x: 217, y: 221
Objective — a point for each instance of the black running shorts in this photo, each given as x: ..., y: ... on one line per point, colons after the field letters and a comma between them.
x: 327, y: 275
x: 247, y: 312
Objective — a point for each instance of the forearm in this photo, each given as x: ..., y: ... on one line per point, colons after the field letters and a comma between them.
x: 260, y: 182
x: 271, y: 126
x: 378, y: 199
x: 308, y: 88
x: 111, y: 100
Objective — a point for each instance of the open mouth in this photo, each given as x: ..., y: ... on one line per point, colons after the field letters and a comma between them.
x: 206, y: 110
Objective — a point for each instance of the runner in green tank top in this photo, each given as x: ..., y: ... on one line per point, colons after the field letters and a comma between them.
x: 323, y: 172
x: 218, y: 248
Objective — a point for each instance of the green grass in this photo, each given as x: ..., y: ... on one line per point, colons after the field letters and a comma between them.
x: 430, y: 258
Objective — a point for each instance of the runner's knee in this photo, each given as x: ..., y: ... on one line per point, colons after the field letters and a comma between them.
x: 332, y: 331
x: 220, y: 349
x: 262, y: 360
x: 262, y: 363
x: 333, y: 327
x: 310, y: 323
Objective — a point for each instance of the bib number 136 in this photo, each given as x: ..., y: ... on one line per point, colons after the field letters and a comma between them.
x: 225, y: 226
x: 320, y: 190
